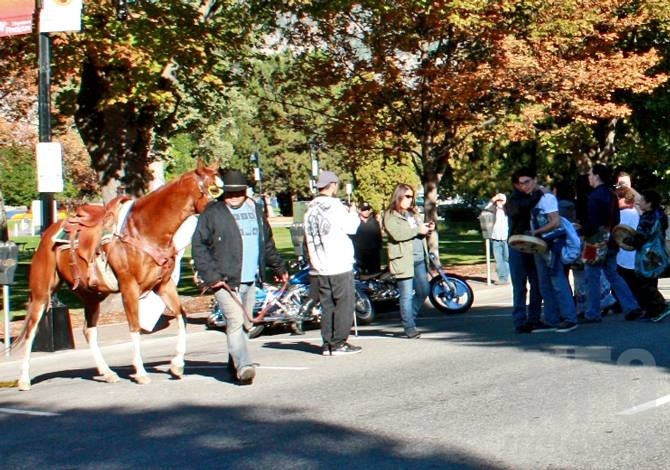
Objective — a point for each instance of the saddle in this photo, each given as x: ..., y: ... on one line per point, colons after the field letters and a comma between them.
x: 90, y: 228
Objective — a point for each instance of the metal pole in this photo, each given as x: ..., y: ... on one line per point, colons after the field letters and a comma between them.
x: 488, y: 261
x: 5, y: 302
x: 44, y: 116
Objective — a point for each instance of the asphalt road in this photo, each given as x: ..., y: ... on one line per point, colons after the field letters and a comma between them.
x: 469, y: 394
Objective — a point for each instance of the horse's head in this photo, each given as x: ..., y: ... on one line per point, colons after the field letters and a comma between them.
x: 209, y: 185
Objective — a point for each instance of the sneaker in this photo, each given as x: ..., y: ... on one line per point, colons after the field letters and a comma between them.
x: 525, y: 328
x: 542, y: 327
x: 566, y: 326
x: 325, y: 350
x: 661, y: 315
x: 412, y: 333
x: 345, y: 349
x: 246, y: 375
x: 634, y: 314
x: 589, y: 320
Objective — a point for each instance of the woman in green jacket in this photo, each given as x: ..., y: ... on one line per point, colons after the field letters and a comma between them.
x: 407, y: 254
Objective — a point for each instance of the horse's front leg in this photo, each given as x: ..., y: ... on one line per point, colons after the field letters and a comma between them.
x: 130, y: 296
x: 169, y: 295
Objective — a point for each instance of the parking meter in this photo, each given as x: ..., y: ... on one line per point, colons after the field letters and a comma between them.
x: 486, y: 223
x: 9, y: 259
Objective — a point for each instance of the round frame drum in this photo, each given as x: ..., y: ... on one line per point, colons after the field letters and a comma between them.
x: 527, y: 244
x: 623, y: 233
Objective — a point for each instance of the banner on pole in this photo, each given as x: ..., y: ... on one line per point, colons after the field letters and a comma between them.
x: 49, y: 167
x: 16, y: 17
x: 60, y: 15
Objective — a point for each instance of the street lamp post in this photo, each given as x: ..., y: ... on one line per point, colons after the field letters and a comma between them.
x: 313, y: 153
x: 258, y: 176
x: 44, y: 117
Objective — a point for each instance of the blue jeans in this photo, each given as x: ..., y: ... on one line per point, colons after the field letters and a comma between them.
x: 556, y: 291
x: 617, y: 284
x: 523, y: 272
x: 236, y: 320
x: 411, y: 304
x: 501, y: 255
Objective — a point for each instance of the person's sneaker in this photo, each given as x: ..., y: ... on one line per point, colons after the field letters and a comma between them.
x: 566, y: 326
x: 525, y: 328
x: 634, y: 314
x: 325, y: 350
x: 345, y: 349
x: 542, y: 327
x: 246, y: 375
x: 661, y: 315
x: 412, y: 333
x: 589, y: 320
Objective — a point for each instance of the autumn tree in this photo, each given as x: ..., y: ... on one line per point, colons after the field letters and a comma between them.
x: 426, y: 78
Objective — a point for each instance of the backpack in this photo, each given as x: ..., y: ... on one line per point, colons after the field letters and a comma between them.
x: 572, y: 249
x: 652, y: 259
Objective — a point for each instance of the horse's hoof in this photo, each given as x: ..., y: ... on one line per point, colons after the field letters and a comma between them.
x: 177, y: 371
x: 111, y: 378
x: 142, y: 379
x: 23, y: 385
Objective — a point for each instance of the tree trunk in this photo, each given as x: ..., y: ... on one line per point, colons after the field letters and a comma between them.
x: 4, y: 229
x: 119, y: 136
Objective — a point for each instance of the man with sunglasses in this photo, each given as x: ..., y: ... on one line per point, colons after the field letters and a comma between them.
x: 526, y: 316
x: 232, y: 244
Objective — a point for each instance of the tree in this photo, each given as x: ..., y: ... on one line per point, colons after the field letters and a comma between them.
x: 125, y: 78
x: 426, y: 79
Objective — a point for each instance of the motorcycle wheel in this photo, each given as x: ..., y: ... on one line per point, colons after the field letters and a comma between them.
x: 365, y: 312
x: 256, y: 331
x: 451, y: 300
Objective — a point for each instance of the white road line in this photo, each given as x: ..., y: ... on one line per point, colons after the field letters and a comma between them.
x: 645, y: 406
x: 225, y: 366
x: 283, y: 367
x: 27, y: 412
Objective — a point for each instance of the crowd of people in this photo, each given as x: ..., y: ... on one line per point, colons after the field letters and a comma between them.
x: 233, y: 244
x: 614, y: 214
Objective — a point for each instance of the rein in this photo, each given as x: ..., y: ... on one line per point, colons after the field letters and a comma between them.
x: 261, y: 315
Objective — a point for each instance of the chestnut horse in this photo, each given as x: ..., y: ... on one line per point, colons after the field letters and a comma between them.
x: 141, y: 256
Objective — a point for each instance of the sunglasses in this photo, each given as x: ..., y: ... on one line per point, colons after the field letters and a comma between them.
x: 525, y: 182
x: 409, y: 196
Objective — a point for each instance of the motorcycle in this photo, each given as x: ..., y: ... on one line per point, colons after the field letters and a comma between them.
x: 448, y: 293
x: 289, y: 305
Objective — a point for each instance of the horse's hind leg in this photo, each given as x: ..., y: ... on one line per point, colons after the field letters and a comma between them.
x: 42, y: 282
x: 36, y: 308
x: 92, y: 311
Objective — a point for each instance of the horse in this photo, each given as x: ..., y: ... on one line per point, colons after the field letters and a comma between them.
x: 139, y: 253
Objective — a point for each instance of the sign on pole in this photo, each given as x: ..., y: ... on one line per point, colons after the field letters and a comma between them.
x: 16, y: 17
x: 60, y: 15
x: 49, y: 168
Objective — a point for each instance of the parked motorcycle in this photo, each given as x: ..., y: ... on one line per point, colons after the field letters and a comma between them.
x: 290, y: 305
x: 448, y: 293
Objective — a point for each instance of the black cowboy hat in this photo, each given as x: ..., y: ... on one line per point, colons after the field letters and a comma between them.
x: 234, y: 181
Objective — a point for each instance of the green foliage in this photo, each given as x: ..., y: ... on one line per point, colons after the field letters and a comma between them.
x: 17, y: 176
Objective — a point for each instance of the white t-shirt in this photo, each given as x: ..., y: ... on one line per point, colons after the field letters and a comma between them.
x: 501, y: 226
x: 625, y: 258
x: 328, y: 225
x: 546, y: 205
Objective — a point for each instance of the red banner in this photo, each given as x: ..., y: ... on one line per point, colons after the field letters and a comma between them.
x: 16, y: 17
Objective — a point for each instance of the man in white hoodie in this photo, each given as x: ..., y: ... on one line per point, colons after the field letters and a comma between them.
x: 328, y: 226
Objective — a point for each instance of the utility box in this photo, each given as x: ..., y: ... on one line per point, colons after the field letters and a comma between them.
x: 54, y: 331
x: 9, y: 259
x: 486, y: 223
x: 298, y: 239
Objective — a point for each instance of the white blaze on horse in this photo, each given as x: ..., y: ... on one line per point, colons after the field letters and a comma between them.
x: 138, y: 251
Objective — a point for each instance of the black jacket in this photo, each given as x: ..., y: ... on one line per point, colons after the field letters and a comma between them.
x: 518, y: 208
x: 217, y: 246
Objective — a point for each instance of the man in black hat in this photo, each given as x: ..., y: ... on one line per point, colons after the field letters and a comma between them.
x: 232, y: 245
x: 368, y: 240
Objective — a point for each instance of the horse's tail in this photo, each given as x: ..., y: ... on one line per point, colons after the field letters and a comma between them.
x: 42, y: 280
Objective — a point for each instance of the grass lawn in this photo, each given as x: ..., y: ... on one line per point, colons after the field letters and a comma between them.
x: 460, y: 244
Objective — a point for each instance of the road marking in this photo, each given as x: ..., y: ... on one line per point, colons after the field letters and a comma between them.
x: 162, y: 369
x: 27, y: 412
x: 645, y: 406
x: 283, y: 367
